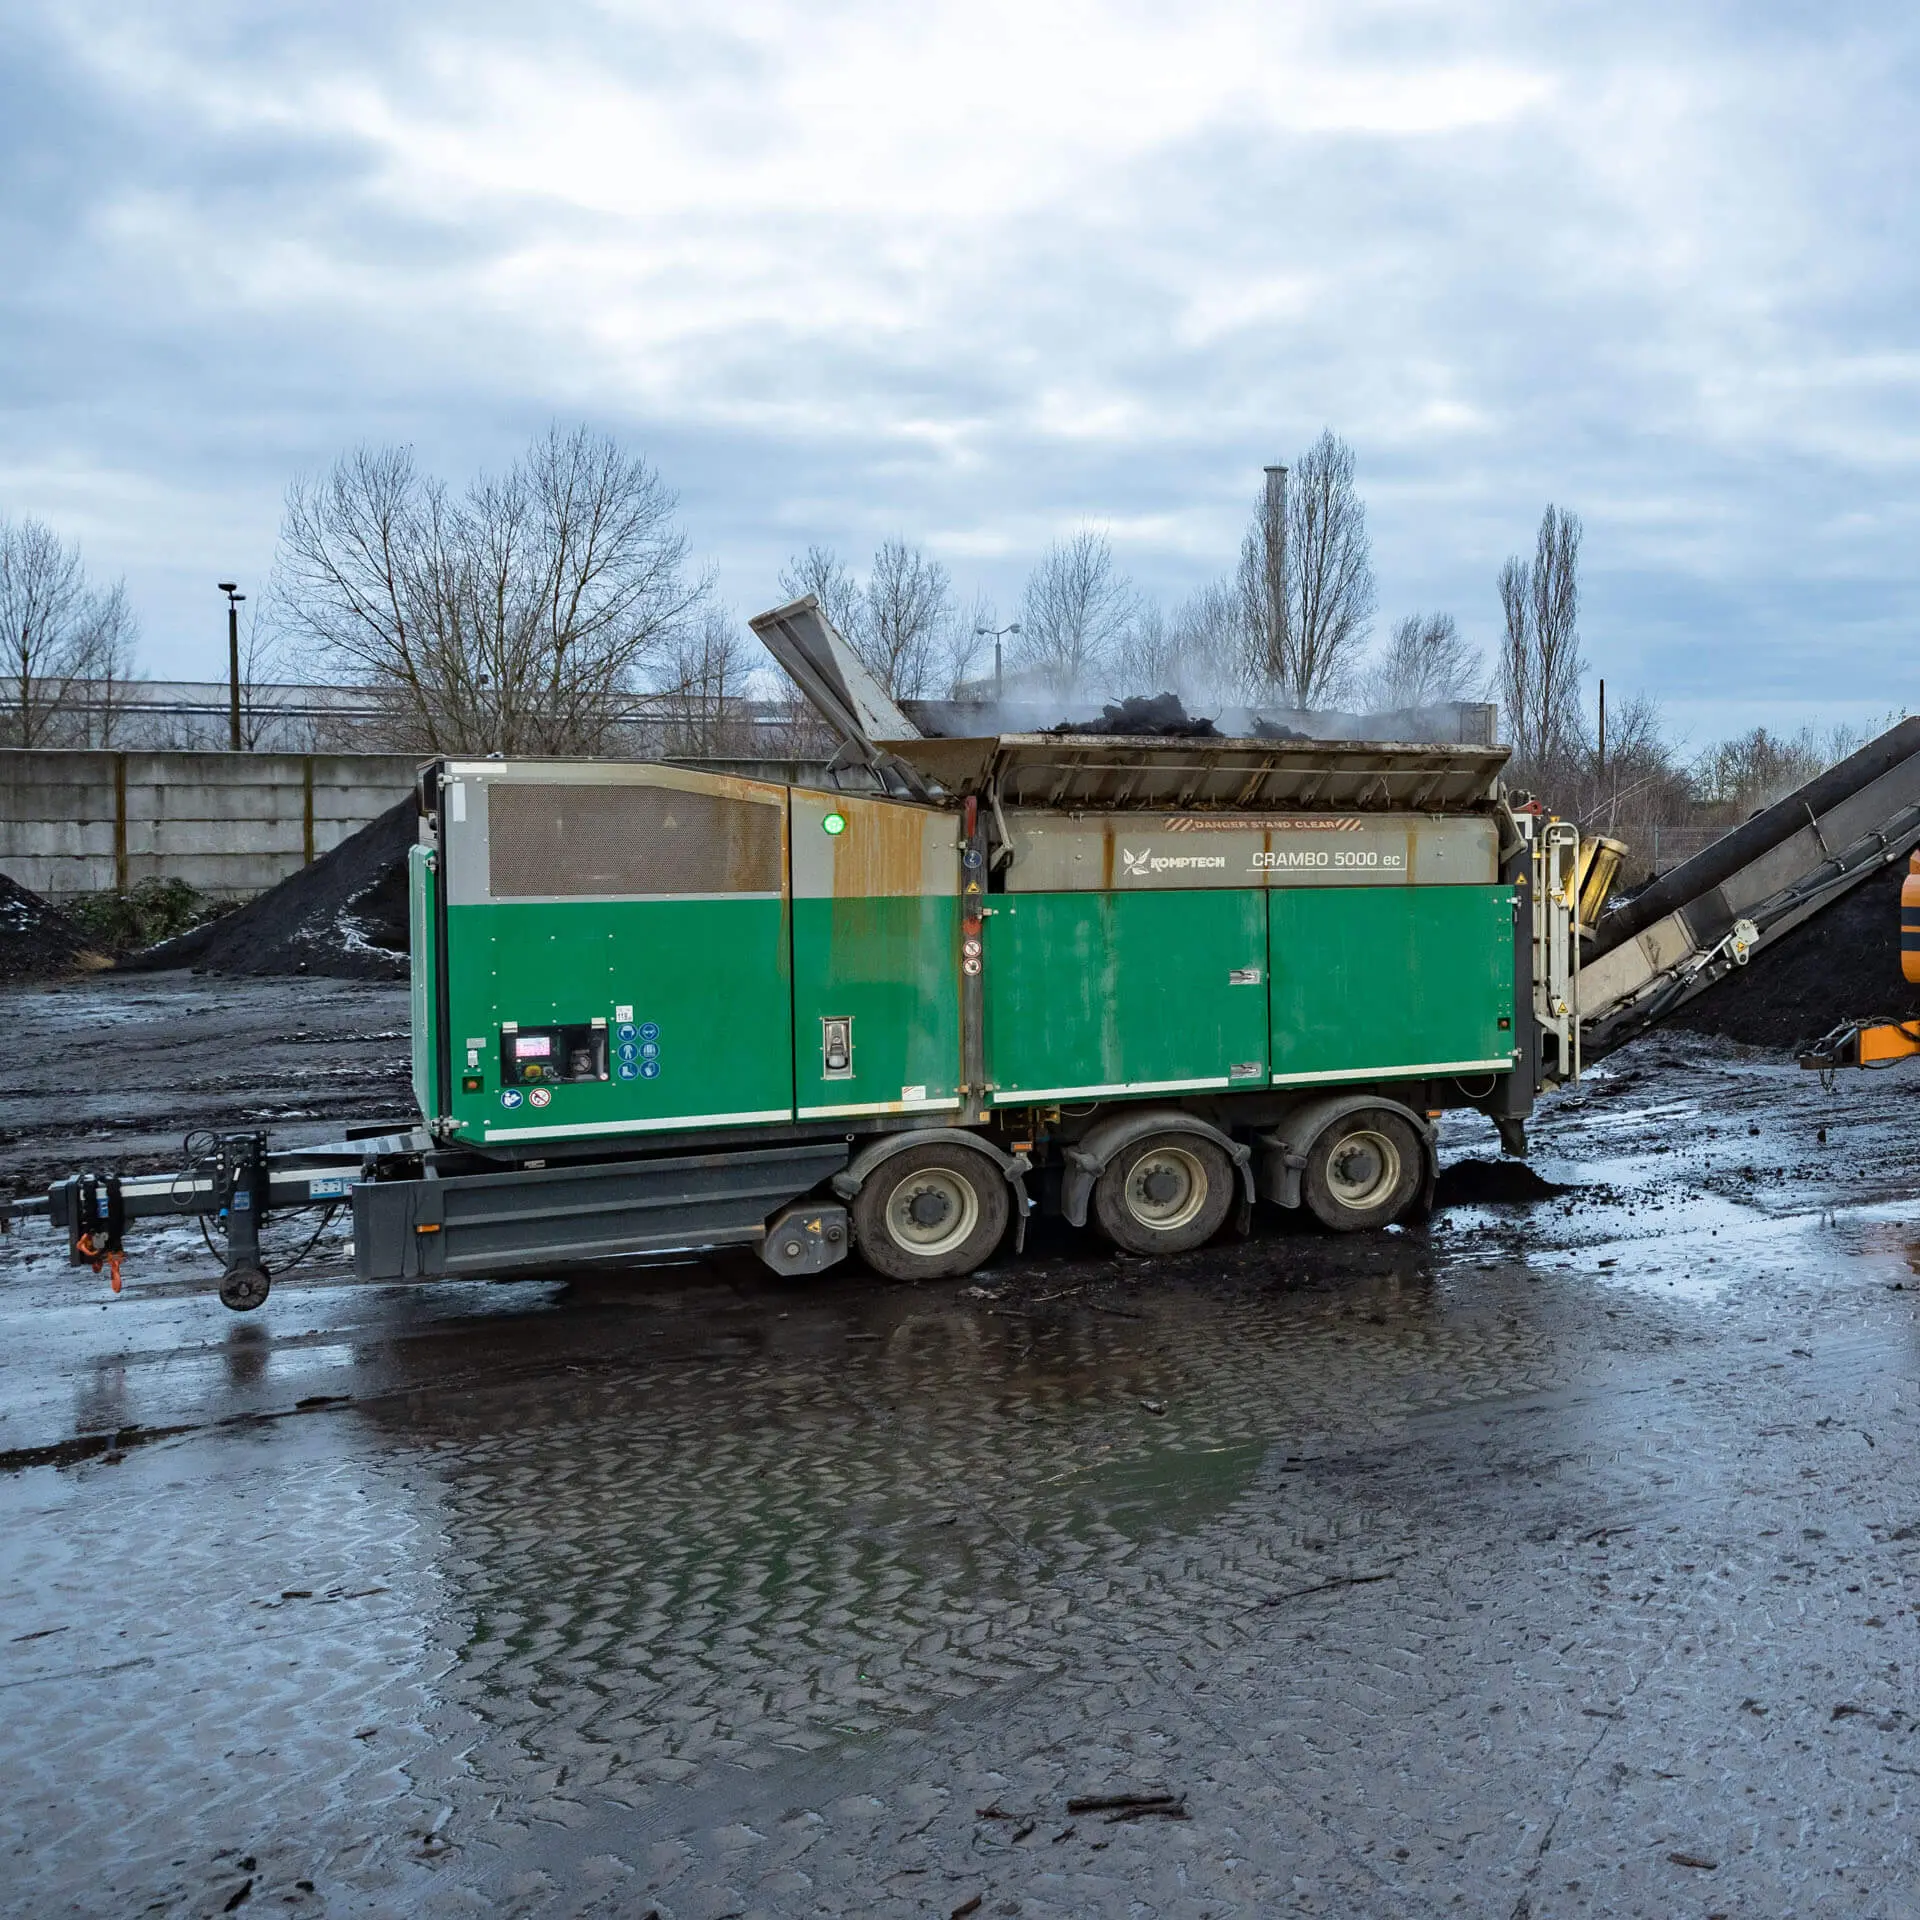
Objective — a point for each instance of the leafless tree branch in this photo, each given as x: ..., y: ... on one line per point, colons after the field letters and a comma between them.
x: 1074, y: 615
x: 61, y: 637
x: 532, y: 616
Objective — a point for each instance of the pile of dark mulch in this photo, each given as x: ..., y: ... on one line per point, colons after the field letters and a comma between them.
x: 1843, y: 964
x: 346, y: 915
x: 37, y: 940
x: 1147, y: 715
x: 1492, y: 1183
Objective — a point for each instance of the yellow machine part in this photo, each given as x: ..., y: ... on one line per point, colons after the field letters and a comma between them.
x: 1599, y: 866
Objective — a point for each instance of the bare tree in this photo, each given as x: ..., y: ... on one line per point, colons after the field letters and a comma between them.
x: 1149, y: 657
x: 1640, y: 793
x: 1196, y: 652
x: 1332, y: 562
x: 1516, y: 658
x: 706, y: 704
x: 1556, y: 630
x: 1265, y: 584
x: 820, y: 572
x: 899, y: 620
x: 1752, y: 770
x: 1074, y: 614
x: 66, y: 645
x: 106, y: 671
x: 1541, y: 667
x: 909, y: 612
x: 525, y: 617
x: 968, y: 646
x: 1425, y: 662
x: 1208, y: 634
x: 1305, y: 581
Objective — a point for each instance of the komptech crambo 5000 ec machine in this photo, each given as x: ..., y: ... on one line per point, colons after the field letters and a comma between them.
x: 893, y: 1005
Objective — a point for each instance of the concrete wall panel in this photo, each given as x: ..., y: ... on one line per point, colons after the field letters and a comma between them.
x: 76, y: 821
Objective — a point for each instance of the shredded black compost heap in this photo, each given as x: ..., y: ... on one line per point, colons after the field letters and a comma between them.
x: 1144, y: 715
x: 37, y: 940
x: 1492, y: 1183
x: 346, y: 915
x: 1843, y: 964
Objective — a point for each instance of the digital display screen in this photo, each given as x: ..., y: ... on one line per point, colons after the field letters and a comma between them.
x: 533, y: 1046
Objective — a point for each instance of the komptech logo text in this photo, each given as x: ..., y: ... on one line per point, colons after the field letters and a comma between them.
x: 1147, y: 861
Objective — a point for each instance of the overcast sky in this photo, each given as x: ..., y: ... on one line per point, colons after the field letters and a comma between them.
x: 977, y: 273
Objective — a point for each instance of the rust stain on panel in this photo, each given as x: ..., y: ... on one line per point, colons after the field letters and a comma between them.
x: 890, y: 850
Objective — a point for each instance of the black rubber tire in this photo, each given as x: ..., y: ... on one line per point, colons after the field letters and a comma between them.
x: 1201, y: 1214
x: 936, y: 1173
x: 1336, y: 1165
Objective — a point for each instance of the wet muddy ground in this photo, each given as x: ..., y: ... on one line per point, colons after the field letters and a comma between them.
x: 1552, y: 1558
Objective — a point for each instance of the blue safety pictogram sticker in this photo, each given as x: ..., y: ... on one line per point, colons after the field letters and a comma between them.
x: 629, y: 1050
x: 626, y: 1031
x: 511, y: 1097
x: 650, y: 1070
x: 629, y: 1070
x: 649, y: 1031
x: 650, y: 1050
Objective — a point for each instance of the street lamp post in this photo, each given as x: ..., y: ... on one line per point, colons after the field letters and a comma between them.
x: 999, y: 682
x: 234, y: 597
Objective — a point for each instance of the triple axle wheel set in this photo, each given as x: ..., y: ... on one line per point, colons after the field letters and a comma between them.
x: 941, y: 1208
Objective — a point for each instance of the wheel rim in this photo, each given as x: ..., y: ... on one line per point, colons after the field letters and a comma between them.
x: 932, y: 1211
x: 1363, y: 1169
x: 1166, y: 1188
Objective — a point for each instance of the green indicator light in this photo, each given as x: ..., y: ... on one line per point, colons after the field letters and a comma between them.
x: 835, y: 823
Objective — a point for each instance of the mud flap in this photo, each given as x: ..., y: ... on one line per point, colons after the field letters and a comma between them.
x: 1087, y: 1158
x: 877, y: 1153
x: 1284, y: 1148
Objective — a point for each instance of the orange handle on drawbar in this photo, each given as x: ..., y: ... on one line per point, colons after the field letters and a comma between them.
x: 85, y: 1248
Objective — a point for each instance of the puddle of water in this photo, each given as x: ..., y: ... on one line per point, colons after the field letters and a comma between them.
x: 1707, y: 1247
x: 1169, y: 1490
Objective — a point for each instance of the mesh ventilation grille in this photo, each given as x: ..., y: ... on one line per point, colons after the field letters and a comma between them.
x: 548, y: 841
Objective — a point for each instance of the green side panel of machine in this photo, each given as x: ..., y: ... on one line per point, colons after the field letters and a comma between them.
x: 1368, y: 981
x: 706, y: 985
x: 423, y: 935
x: 891, y: 967
x: 1125, y: 993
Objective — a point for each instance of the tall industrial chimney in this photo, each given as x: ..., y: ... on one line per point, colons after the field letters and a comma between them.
x: 1273, y: 542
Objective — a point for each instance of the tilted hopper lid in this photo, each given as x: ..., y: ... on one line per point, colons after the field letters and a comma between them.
x: 1096, y: 772
x: 838, y: 684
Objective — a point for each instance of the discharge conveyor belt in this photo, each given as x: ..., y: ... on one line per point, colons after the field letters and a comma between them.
x: 1735, y: 898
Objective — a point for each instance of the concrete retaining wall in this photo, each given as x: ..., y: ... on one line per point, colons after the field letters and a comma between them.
x: 231, y: 824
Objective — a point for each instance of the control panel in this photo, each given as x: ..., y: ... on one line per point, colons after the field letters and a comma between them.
x: 547, y: 1056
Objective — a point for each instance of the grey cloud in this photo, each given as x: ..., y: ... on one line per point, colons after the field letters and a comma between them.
x: 1497, y: 316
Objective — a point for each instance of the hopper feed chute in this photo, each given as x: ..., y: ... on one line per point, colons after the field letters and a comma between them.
x: 840, y: 687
